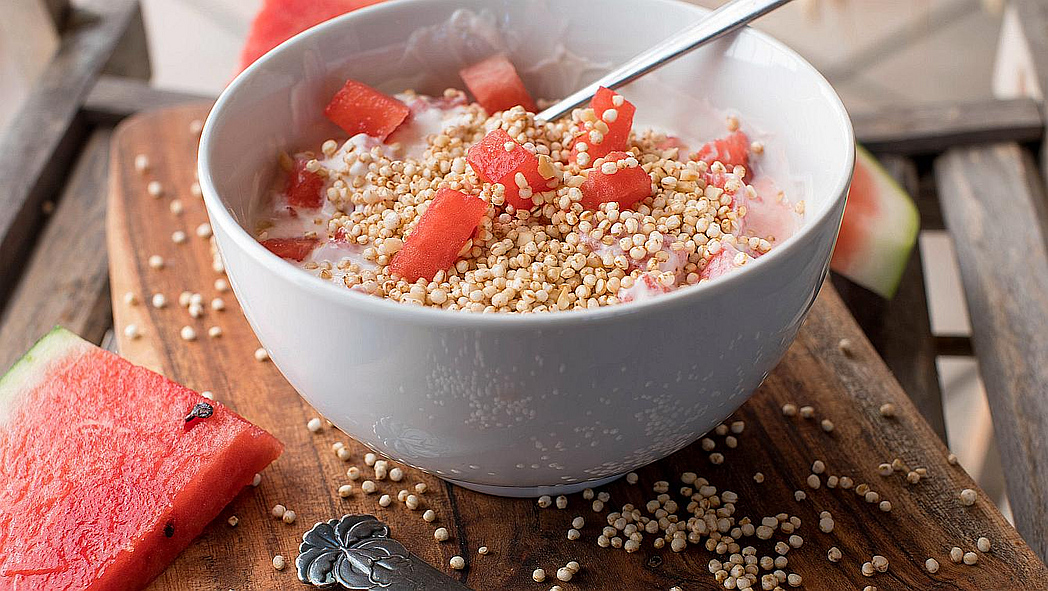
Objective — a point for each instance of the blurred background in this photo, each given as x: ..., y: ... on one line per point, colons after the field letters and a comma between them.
x: 878, y: 54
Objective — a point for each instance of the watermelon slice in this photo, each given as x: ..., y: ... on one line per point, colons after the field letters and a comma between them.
x: 102, y: 481
x: 496, y: 85
x: 358, y: 108
x: 280, y: 20
x: 879, y: 229
x: 439, y: 235
x: 627, y: 184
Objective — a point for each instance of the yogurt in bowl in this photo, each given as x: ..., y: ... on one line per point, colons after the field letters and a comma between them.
x: 524, y: 404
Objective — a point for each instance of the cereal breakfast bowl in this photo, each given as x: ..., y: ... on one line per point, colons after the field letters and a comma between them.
x: 579, y: 323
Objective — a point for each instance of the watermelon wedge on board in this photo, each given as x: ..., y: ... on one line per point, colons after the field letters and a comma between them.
x: 280, y: 20
x: 102, y: 481
x: 879, y: 228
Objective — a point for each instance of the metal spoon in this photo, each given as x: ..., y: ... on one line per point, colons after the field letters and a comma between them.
x: 720, y: 22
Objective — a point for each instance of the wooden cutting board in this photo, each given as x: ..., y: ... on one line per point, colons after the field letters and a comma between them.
x: 846, y: 385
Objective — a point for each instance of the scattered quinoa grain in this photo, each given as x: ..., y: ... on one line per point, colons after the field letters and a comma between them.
x: 214, y: 332
x: 457, y: 562
x: 758, y: 477
x: 155, y: 189
x: 578, y: 522
x: 279, y: 563
x: 956, y: 555
x: 807, y: 412
x: 314, y: 425
x: 983, y: 544
x: 345, y: 490
x: 156, y: 262
x: 278, y: 511
x: 441, y: 534
x: 141, y: 163
x: 827, y: 425
x: 845, y: 347
x: 574, y: 534
x: 176, y: 207
x: 813, y: 481
x: 368, y: 487
x: 370, y: 459
x: 385, y: 501
x: 632, y: 478
x: 188, y: 333
x: 233, y: 520
x: 203, y: 230
x: 257, y: 480
x: 885, y: 506
x: 429, y: 516
x: 289, y: 516
x: 538, y: 575
x: 178, y: 237
x: 967, y: 497
x: 564, y: 574
x: 789, y: 410
x: 483, y: 550
x: 353, y: 473
x: 818, y: 467
x: 132, y: 332
x: 931, y: 565
x: 396, y: 475
x: 834, y: 554
x: 221, y: 285
x: 887, y: 410
x: 261, y: 354
x: 545, y: 501
x: 420, y: 487
x: 970, y: 558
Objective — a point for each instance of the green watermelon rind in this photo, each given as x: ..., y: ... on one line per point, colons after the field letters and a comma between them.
x: 31, y: 367
x: 890, y: 246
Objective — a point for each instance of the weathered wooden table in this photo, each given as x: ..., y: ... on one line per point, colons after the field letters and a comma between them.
x: 971, y: 168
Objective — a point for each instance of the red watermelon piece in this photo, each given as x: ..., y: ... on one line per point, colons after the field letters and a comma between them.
x: 616, y: 138
x: 439, y: 235
x: 303, y: 187
x: 102, y: 481
x: 358, y: 108
x: 879, y: 229
x: 295, y: 249
x: 496, y: 85
x: 731, y: 150
x: 280, y: 20
x: 627, y: 185
x: 499, y: 159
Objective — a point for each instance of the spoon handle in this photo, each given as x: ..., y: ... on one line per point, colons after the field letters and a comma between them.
x: 718, y: 23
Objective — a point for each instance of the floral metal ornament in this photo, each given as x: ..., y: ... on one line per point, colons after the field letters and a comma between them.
x: 356, y: 552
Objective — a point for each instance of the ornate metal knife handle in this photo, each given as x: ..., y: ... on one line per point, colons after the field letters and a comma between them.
x: 356, y: 552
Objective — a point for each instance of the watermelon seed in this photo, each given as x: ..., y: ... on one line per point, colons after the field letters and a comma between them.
x: 169, y: 530
x: 201, y: 410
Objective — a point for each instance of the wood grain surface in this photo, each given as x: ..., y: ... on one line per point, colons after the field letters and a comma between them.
x: 926, y: 519
x: 994, y: 203
x: 55, y: 287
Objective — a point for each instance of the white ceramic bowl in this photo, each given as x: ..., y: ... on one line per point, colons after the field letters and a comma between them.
x: 525, y: 404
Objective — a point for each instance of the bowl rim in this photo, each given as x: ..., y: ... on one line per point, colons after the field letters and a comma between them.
x: 221, y: 215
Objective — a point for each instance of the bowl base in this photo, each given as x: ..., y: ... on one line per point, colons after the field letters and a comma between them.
x: 522, y: 492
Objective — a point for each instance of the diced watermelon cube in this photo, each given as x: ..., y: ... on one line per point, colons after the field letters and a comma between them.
x: 439, y: 235
x: 496, y: 85
x: 358, y: 108
x: 731, y: 150
x: 725, y: 261
x: 295, y: 249
x: 616, y: 139
x: 627, y: 185
x: 303, y: 187
x: 494, y: 163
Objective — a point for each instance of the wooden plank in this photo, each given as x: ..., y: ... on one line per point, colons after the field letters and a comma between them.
x: 41, y: 139
x: 66, y: 280
x: 925, y: 521
x: 899, y: 328
x: 112, y: 99
x: 992, y: 197
x: 1033, y: 16
x: 130, y: 58
x: 936, y: 127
